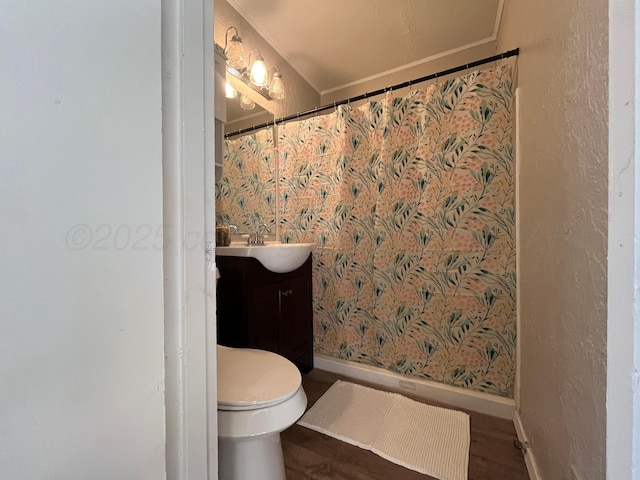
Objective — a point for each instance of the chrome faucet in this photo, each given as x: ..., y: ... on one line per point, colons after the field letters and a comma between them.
x: 257, y: 238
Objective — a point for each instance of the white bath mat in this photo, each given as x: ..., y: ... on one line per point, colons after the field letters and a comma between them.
x: 427, y: 439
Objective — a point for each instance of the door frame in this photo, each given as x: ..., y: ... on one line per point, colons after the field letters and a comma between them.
x: 188, y: 115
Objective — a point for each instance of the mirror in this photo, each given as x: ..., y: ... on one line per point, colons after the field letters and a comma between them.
x: 247, y: 108
x: 245, y: 187
x: 239, y: 118
x: 245, y: 194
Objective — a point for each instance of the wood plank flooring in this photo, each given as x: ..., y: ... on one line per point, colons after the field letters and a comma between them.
x: 310, y: 455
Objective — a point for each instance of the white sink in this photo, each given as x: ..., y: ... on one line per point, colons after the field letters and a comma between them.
x: 276, y: 257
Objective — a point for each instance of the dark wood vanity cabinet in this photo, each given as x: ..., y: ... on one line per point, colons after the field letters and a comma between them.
x: 261, y: 309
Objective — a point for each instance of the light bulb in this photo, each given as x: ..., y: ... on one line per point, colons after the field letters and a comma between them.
x: 230, y: 92
x: 258, y: 72
x: 246, y: 102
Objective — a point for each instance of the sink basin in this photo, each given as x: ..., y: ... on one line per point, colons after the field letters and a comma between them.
x: 276, y: 257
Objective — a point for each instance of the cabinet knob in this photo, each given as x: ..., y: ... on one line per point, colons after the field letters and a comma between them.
x: 286, y: 293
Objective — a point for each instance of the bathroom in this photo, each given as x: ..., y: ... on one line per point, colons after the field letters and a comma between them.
x: 344, y: 338
x: 117, y: 96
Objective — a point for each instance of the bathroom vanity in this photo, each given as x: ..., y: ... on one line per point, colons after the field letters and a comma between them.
x: 258, y: 308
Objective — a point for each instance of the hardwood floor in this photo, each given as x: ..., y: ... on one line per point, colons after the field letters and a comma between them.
x: 310, y: 455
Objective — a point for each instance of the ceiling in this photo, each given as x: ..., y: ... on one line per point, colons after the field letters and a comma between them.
x: 339, y: 43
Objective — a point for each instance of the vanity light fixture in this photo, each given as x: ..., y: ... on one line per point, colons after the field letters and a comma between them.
x: 246, y: 102
x: 234, y: 50
x: 258, y: 75
x: 254, y: 74
x: 276, y: 87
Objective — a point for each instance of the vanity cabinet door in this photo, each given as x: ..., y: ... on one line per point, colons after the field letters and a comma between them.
x: 264, y: 318
x: 295, y: 318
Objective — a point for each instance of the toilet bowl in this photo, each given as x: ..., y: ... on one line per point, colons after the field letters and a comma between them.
x: 259, y: 395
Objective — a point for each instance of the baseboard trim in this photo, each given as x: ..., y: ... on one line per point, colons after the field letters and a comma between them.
x: 469, y: 400
x: 529, y: 457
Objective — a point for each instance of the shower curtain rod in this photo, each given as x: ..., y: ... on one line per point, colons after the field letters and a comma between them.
x: 466, y: 66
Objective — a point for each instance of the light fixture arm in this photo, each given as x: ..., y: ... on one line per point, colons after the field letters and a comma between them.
x: 236, y: 37
x: 269, y: 74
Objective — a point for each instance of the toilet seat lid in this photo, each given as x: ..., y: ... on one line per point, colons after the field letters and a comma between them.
x: 250, y: 379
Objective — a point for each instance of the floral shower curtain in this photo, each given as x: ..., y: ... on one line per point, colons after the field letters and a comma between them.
x: 411, y: 204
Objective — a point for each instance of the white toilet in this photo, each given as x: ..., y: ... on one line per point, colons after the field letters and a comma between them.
x: 259, y: 395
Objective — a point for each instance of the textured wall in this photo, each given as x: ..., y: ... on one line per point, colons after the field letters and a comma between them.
x: 563, y: 218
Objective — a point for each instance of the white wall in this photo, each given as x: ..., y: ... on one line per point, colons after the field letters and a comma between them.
x: 562, y: 76
x: 440, y: 64
x: 623, y: 363
x: 81, y: 305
